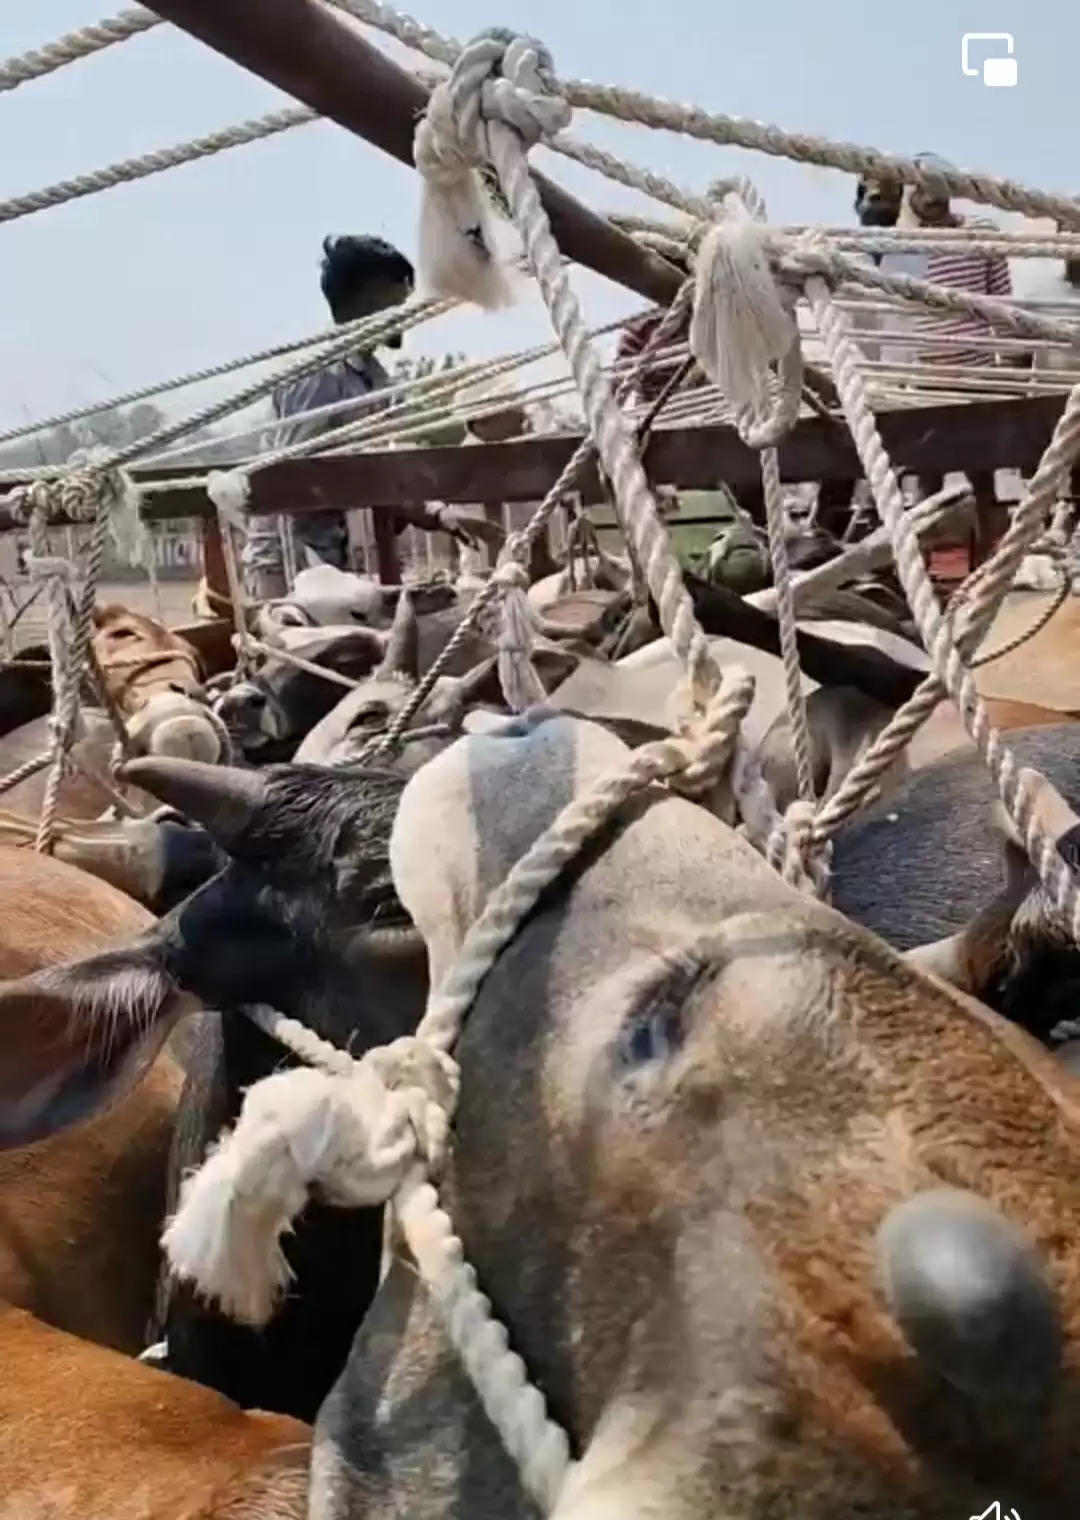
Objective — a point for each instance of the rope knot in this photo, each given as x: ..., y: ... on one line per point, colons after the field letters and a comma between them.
x: 792, y: 849
x: 707, y: 741
x: 24, y: 501
x: 354, y: 1134
x: 230, y: 492
x: 499, y: 79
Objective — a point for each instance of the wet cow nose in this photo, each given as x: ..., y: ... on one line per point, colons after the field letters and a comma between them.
x: 242, y: 700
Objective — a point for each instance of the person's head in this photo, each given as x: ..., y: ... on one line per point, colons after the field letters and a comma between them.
x: 362, y: 275
x: 930, y: 201
x: 877, y: 200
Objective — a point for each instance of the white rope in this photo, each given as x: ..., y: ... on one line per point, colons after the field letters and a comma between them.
x: 75, y: 45
x: 87, y: 491
x: 128, y: 170
x: 368, y: 333
x: 934, y: 627
x: 192, y: 377
x: 634, y: 106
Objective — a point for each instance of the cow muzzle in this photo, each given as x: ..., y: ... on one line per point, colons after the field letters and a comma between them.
x: 971, y: 1296
x: 174, y: 724
x: 251, y: 715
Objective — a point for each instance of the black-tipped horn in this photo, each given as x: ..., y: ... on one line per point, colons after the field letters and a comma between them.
x: 402, y: 654
x: 970, y: 1295
x: 222, y: 798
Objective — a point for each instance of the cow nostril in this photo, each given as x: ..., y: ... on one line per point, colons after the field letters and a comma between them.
x: 255, y: 698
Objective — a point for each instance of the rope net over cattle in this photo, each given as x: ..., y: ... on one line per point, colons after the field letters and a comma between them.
x: 759, y: 295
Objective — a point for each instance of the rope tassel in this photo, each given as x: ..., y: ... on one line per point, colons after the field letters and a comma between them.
x: 521, y: 686
x: 740, y: 324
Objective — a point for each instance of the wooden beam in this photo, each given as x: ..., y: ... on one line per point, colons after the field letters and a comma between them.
x: 321, y: 58
x: 980, y: 435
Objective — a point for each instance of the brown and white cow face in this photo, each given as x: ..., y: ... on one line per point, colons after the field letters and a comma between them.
x: 695, y: 1110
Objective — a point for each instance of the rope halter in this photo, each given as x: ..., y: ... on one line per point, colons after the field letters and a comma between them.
x: 499, y: 79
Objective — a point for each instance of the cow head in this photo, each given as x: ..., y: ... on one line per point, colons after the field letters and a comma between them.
x: 704, y: 1131
x: 1018, y: 953
x: 155, y: 678
x: 269, y: 710
x: 369, y: 711
x: 303, y: 917
x: 140, y: 658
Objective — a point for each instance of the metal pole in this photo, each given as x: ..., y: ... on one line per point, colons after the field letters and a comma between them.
x: 320, y: 58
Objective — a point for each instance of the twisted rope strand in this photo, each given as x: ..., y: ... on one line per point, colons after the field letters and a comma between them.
x: 74, y: 45
x: 128, y: 170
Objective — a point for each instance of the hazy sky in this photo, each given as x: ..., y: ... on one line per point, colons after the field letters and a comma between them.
x: 219, y: 257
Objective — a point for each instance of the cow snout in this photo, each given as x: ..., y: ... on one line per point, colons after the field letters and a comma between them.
x: 249, y: 714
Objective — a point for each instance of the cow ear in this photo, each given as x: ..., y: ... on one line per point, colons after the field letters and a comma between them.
x: 74, y: 1038
x: 355, y: 654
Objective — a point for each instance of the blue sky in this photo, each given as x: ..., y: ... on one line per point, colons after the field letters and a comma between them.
x: 219, y: 257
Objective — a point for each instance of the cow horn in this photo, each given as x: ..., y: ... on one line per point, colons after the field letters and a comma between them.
x: 224, y: 799
x: 402, y: 654
x: 970, y: 1295
x: 944, y: 958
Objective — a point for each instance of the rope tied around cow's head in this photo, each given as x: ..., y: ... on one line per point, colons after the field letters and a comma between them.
x: 376, y: 1130
x: 501, y: 78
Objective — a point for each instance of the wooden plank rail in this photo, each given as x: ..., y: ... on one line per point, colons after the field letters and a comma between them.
x: 980, y: 435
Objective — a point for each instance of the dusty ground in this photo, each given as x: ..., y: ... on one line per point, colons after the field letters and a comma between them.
x: 175, y: 605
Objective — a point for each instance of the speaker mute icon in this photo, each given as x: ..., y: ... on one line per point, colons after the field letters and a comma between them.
x: 995, y: 1512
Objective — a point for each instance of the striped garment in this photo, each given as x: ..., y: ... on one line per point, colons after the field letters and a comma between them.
x: 965, y: 268
x: 632, y: 343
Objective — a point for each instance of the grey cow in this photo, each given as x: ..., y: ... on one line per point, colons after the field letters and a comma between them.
x: 752, y: 1196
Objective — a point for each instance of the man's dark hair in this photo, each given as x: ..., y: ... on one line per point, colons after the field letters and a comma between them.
x: 351, y: 263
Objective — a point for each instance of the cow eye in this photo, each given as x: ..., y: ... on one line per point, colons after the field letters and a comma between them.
x: 371, y: 717
x: 653, y: 1033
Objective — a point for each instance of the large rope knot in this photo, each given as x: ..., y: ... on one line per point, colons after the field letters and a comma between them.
x: 700, y: 758
x: 793, y: 850
x: 354, y: 1135
x: 499, y: 80
x: 743, y: 324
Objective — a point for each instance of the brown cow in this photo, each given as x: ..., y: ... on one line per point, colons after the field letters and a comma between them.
x: 80, y: 1212
x: 141, y: 658
x: 154, y: 676
x: 87, y: 1434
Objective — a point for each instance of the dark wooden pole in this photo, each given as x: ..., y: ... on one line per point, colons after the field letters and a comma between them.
x: 319, y: 57
x: 386, y: 548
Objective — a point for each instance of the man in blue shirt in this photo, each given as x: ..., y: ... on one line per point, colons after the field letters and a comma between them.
x: 359, y: 276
